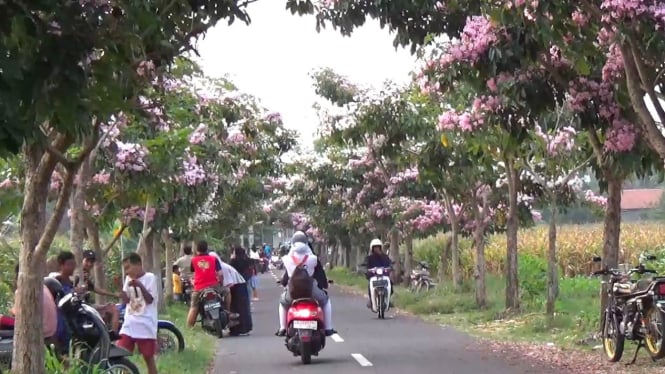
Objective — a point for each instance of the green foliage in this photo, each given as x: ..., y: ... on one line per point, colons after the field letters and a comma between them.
x: 533, y: 277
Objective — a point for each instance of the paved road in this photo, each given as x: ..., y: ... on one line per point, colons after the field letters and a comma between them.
x: 364, y: 344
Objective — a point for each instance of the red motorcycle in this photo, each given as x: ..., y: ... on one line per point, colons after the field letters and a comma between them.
x: 305, y: 334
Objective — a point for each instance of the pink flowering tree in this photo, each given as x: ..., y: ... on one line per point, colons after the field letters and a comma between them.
x: 381, y: 130
x: 555, y: 160
x: 87, y: 61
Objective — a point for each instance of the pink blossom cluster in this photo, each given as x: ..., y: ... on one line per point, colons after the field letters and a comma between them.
x: 408, y: 175
x: 8, y: 183
x: 432, y: 215
x: 192, y: 173
x: 536, y: 216
x: 56, y: 181
x: 466, y: 121
x: 478, y: 35
x: 274, y: 117
x: 131, y: 157
x: 103, y: 177
x: 111, y: 129
x: 138, y: 213
x: 198, y: 136
x: 613, y: 69
x: 588, y: 94
x: 591, y: 197
x: 563, y: 140
x: 267, y: 208
x: 155, y: 112
x: 579, y: 18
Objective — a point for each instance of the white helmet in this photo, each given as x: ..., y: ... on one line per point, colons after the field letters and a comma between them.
x: 375, y: 243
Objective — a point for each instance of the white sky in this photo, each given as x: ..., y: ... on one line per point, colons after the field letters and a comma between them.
x: 273, y: 57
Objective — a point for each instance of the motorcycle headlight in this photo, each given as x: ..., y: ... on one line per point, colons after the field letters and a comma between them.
x: 379, y: 271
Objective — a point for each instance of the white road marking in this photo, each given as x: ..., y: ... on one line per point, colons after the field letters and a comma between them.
x: 336, y: 338
x: 361, y: 360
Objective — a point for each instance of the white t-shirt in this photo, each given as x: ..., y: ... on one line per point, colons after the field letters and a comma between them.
x: 231, y: 275
x: 140, y: 317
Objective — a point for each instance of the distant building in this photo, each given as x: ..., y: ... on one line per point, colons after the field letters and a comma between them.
x: 636, y: 204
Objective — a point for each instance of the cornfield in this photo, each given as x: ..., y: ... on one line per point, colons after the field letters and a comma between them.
x: 576, y: 246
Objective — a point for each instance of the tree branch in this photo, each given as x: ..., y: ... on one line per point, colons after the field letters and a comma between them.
x: 647, y: 86
x: 116, y: 237
x: 60, y: 206
x: 577, y: 169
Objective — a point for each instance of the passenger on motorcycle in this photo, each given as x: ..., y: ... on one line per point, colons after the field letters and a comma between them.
x: 376, y: 259
x: 207, y: 274
x: 301, y: 254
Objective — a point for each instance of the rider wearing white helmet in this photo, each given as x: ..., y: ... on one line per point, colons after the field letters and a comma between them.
x: 376, y: 259
x: 301, y: 254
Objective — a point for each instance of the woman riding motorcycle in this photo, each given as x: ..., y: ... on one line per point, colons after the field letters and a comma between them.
x: 301, y: 254
x: 376, y: 259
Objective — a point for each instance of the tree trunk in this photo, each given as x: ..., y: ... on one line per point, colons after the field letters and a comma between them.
x: 156, y: 268
x: 444, y: 259
x: 552, y: 266
x: 79, y: 217
x: 611, y: 230
x: 394, y: 255
x: 168, y: 283
x: 479, y: 268
x: 408, y: 259
x: 99, y: 274
x: 512, y: 277
x: 36, y: 238
x: 454, y: 251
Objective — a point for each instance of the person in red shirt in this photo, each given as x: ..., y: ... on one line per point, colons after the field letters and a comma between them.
x: 207, y: 274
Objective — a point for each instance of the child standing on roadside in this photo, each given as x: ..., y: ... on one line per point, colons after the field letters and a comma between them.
x: 177, y: 284
x: 140, y: 327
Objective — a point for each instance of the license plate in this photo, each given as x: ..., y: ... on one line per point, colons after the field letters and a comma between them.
x: 380, y: 283
x: 305, y: 325
x: 210, y: 306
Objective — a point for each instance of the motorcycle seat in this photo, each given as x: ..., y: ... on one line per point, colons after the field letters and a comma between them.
x: 304, y: 300
x: 6, y: 333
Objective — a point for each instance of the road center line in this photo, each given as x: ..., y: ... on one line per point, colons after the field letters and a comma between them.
x: 336, y: 338
x: 361, y: 360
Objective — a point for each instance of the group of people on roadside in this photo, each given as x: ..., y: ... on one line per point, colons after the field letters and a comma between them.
x: 207, y: 270
x: 139, y: 293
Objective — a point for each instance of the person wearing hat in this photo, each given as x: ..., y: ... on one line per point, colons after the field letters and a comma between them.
x: 86, y: 286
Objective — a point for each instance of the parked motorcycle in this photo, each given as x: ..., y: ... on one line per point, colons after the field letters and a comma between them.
x: 87, y: 326
x: 214, y: 318
x: 90, y: 339
x: 379, y: 290
x: 305, y: 333
x: 187, y: 288
x: 420, y: 279
x: 635, y: 311
x: 169, y: 337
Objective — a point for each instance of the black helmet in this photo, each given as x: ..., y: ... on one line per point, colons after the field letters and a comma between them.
x: 299, y: 237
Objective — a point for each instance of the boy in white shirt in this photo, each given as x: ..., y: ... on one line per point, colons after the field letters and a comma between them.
x: 140, y: 327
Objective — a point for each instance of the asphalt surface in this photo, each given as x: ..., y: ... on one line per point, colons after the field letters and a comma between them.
x: 364, y: 344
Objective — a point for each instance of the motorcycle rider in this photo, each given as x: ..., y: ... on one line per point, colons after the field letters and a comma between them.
x: 376, y: 259
x: 301, y: 253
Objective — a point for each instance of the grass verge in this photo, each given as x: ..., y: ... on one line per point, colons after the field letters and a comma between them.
x: 199, y: 347
x: 574, y: 324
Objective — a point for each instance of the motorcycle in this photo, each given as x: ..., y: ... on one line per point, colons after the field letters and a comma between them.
x: 87, y: 326
x: 276, y: 262
x: 380, y: 290
x: 187, y: 288
x: 305, y: 333
x: 90, y: 339
x: 169, y: 337
x: 263, y: 265
x: 420, y: 279
x: 214, y: 318
x: 635, y: 311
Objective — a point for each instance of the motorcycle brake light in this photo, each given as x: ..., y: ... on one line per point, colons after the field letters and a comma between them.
x: 304, y: 313
x: 660, y: 289
x: 211, y: 296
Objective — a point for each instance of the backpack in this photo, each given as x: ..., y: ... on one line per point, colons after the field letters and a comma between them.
x: 301, y: 284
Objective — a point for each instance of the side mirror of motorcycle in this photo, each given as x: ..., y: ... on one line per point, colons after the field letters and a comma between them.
x: 330, y: 281
x: 651, y: 258
x: 596, y: 259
